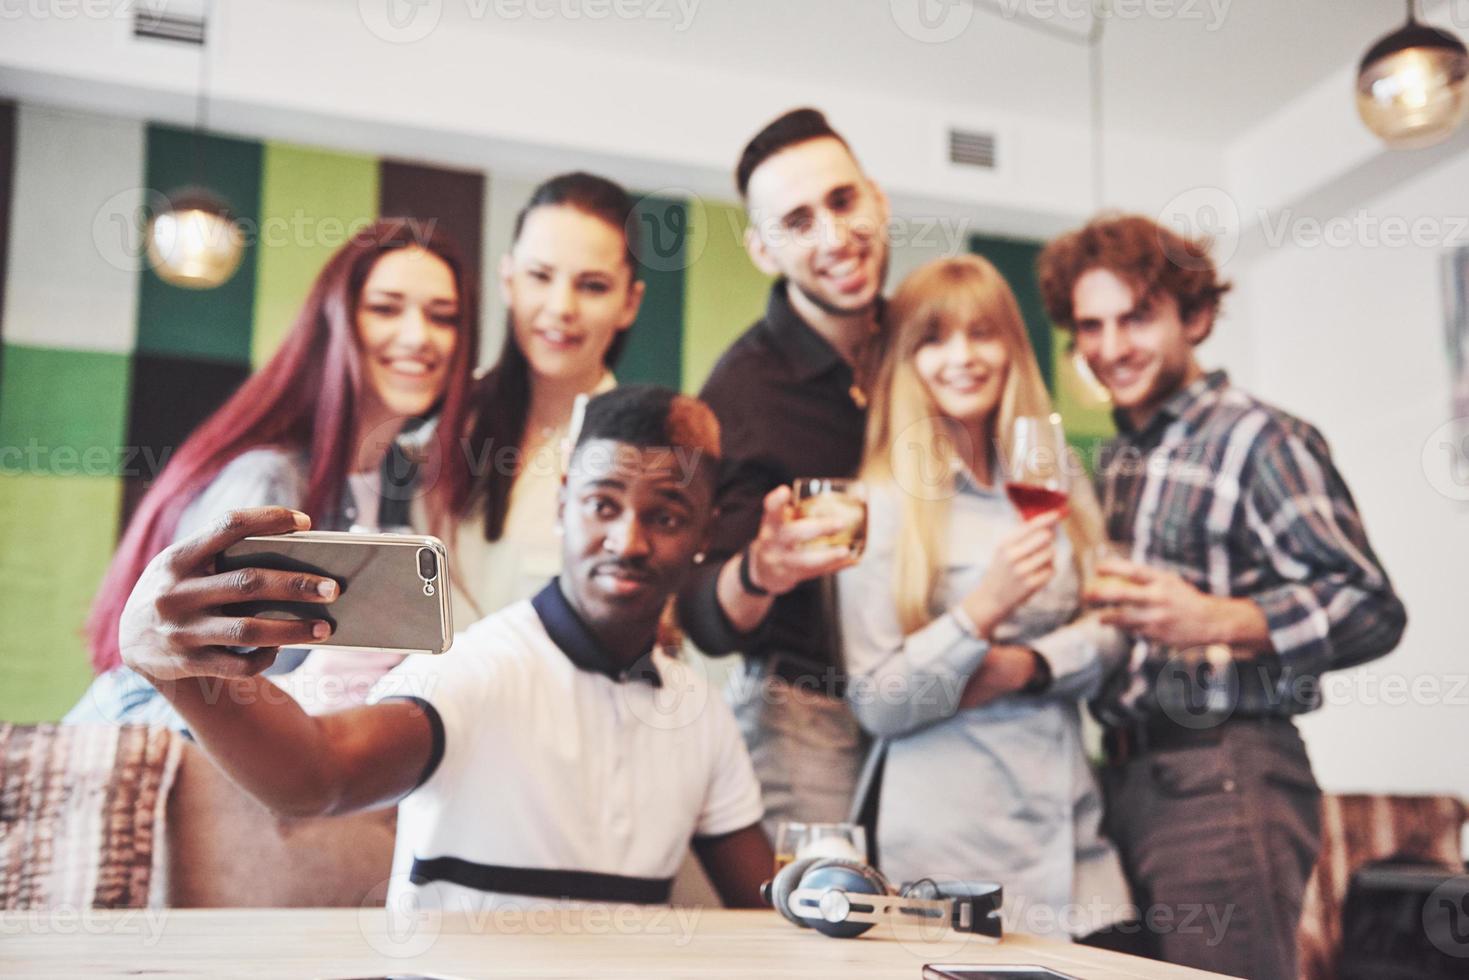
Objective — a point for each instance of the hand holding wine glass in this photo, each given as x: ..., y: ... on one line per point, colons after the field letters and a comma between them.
x: 1022, y: 564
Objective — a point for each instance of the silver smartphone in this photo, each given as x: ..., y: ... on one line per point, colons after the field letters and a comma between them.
x: 394, y: 587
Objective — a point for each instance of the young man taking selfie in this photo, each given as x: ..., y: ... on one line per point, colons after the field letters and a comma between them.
x: 533, y: 760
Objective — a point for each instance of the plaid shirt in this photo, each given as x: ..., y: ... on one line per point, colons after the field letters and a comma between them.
x: 1242, y: 500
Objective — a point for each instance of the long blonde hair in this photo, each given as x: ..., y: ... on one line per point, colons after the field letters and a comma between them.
x: 910, y: 443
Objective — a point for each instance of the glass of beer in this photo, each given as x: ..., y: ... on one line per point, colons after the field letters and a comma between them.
x: 794, y: 841
x: 834, y: 499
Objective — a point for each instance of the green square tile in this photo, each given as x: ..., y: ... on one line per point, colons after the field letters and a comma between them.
x: 57, y: 535
x: 62, y: 412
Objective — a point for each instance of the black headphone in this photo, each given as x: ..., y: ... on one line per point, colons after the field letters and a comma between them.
x: 843, y: 899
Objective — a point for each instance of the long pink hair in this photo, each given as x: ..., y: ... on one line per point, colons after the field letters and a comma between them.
x: 305, y: 397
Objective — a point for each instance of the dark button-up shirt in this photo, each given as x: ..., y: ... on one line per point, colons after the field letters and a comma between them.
x: 1242, y: 500
x: 786, y: 407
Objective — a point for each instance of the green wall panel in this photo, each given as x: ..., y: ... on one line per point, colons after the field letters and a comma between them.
x: 1016, y: 262
x: 311, y: 202
x: 654, y: 351
x: 59, y: 533
x: 61, y: 411
x: 214, y: 324
x: 725, y: 293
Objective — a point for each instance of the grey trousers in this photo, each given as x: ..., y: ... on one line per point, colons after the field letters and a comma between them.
x: 1218, y: 842
x: 806, y: 747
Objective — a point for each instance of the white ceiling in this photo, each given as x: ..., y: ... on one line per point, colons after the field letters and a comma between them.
x: 1191, y: 74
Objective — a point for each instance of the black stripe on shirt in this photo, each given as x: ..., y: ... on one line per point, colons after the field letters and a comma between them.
x: 587, y: 886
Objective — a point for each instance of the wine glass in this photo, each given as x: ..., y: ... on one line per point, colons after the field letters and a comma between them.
x: 1039, y: 480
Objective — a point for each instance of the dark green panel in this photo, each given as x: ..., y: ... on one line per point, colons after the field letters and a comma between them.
x: 213, y: 324
x: 1016, y: 262
x: 654, y: 351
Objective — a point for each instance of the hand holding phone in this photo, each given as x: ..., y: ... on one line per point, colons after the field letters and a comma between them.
x: 174, y: 625
x: 194, y: 607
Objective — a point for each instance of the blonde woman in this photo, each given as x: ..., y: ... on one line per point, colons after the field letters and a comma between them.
x: 960, y: 625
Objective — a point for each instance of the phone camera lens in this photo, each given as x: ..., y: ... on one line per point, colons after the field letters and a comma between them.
x: 428, y: 564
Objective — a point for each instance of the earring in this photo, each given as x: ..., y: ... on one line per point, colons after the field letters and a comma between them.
x: 699, y: 558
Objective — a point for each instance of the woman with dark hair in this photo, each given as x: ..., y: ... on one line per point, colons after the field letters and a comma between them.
x: 571, y: 284
x: 387, y: 334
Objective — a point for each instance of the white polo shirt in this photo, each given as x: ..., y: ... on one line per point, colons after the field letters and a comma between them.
x: 554, y: 776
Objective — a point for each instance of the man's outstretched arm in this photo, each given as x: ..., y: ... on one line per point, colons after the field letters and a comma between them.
x: 175, y: 633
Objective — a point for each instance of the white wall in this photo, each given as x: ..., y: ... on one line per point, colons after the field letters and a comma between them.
x: 1350, y: 336
x: 525, y: 103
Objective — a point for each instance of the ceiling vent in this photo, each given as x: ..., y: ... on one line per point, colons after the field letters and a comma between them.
x: 158, y: 24
x: 972, y: 148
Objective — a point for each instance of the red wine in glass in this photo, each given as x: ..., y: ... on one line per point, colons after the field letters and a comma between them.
x: 1038, y: 477
x: 1032, y: 500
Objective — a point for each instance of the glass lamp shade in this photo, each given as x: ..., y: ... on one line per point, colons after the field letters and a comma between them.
x: 196, y: 243
x: 1411, y: 86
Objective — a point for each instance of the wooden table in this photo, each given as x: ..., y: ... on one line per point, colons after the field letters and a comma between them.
x: 546, y: 943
